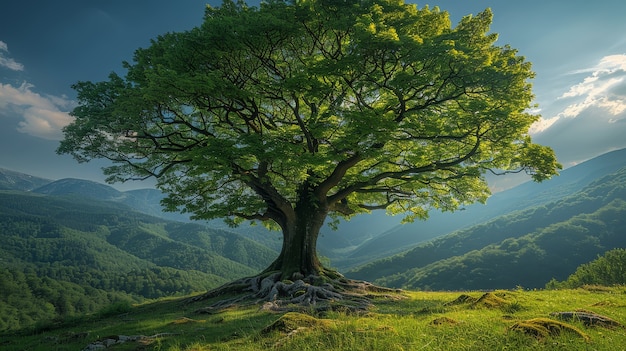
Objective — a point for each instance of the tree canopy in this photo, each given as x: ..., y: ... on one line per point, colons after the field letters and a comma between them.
x: 298, y: 110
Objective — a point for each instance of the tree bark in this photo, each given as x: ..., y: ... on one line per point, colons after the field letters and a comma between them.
x: 297, y: 280
x: 298, y: 255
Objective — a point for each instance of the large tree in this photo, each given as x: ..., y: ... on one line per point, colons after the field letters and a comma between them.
x: 299, y: 110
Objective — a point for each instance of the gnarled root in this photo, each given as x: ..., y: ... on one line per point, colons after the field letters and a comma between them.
x: 312, y: 293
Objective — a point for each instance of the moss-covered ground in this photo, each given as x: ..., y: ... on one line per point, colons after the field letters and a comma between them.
x: 497, y: 320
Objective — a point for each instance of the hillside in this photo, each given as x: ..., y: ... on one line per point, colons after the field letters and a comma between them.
x: 526, y: 248
x: 63, y: 255
x: 402, y: 237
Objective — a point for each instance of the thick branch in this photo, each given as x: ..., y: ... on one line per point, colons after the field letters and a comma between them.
x: 310, y: 140
x: 278, y: 208
x: 338, y: 173
x: 402, y: 174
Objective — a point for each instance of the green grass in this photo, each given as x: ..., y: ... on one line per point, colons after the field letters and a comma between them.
x: 421, y: 321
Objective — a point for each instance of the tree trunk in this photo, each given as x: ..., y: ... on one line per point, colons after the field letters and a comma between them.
x: 296, y: 280
x: 298, y: 255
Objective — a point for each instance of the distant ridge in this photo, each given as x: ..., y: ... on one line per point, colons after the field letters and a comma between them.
x: 11, y: 180
x: 364, y: 238
x: 147, y: 201
x: 85, y: 188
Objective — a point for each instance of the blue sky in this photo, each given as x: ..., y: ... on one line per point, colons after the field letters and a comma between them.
x: 578, y: 50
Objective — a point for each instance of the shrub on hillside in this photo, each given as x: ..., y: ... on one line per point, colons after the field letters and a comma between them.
x: 606, y: 270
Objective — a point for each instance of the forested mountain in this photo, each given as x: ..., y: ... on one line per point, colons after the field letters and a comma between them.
x: 526, y: 248
x: 147, y: 201
x: 82, y: 188
x: 64, y: 255
x: 402, y: 237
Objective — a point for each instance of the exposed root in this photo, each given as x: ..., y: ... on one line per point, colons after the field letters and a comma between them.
x: 312, y: 293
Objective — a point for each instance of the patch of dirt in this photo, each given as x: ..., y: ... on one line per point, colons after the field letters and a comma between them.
x: 114, y: 340
x: 185, y: 320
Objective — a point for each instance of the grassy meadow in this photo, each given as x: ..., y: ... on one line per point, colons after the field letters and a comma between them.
x: 497, y: 320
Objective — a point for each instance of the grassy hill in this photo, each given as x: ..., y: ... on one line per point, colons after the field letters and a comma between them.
x: 65, y: 255
x: 526, y: 248
x: 445, y: 321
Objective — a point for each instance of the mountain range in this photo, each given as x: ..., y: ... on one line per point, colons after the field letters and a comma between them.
x: 365, y: 237
x: 402, y: 237
x: 526, y: 247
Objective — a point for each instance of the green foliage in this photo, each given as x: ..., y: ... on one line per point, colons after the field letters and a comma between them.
x: 335, y: 107
x: 28, y: 298
x: 607, y: 270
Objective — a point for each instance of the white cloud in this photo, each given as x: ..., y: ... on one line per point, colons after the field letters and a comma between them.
x: 603, y: 90
x: 589, y: 116
x: 8, y: 62
x: 43, y: 116
x: 542, y: 125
